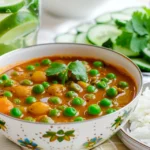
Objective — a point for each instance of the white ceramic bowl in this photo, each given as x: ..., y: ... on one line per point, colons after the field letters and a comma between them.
x: 76, y: 136
x: 73, y: 8
x: 127, y: 139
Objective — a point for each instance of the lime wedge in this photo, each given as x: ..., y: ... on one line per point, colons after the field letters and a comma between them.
x: 17, y: 25
x: 8, y: 6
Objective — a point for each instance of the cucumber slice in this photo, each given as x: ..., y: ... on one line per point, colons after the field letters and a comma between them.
x: 16, y: 26
x: 120, y: 16
x: 98, y: 34
x: 103, y: 18
x: 125, y: 51
x: 142, y: 64
x: 65, y: 38
x: 8, y: 6
x: 146, y: 54
x: 130, y: 11
x: 84, y: 27
x: 81, y: 38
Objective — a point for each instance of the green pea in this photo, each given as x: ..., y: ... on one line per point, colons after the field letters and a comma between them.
x: 46, y: 119
x: 94, y: 109
x: 30, y: 68
x: 8, y: 94
x: 46, y: 62
x: 89, y: 96
x: 30, y: 100
x: 110, y: 110
x: 70, y: 111
x: 37, y: 64
x: 101, y: 85
x: 38, y: 89
x: 26, y: 82
x: 15, y: 112
x: 55, y: 82
x: 54, y: 112
x: 4, y: 77
x: 78, y: 119
x: 30, y: 119
x: 91, y: 89
x: 123, y: 84
x: 15, y: 73
x: 105, y: 102
x: 105, y: 80
x: 71, y: 94
x: 45, y: 85
x: 17, y: 101
x: 112, y: 92
x: 78, y: 101
x: 61, y: 107
x: 9, y: 83
x: 93, y: 72
x: 1, y: 82
x: 75, y: 87
x: 55, y: 100
x: 111, y: 76
x: 98, y: 64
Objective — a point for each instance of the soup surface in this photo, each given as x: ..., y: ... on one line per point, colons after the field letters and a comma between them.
x: 64, y: 89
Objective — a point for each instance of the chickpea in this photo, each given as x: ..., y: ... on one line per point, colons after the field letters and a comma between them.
x: 39, y: 76
x: 22, y: 91
x: 56, y: 90
x: 38, y: 108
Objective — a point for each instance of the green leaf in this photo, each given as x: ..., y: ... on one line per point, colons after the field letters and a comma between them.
x: 138, y: 23
x: 120, y: 24
x: 138, y: 43
x: 68, y: 133
x: 60, y: 139
x: 78, y: 69
x: 53, y: 138
x: 129, y: 27
x: 60, y: 132
x: 108, y: 44
x: 55, y: 69
x: 147, y: 10
x: 65, y: 77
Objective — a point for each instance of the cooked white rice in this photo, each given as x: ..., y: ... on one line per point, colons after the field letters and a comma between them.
x: 140, y: 119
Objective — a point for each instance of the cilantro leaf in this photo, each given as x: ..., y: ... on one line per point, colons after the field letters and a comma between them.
x: 120, y: 24
x: 108, y: 44
x: 78, y: 69
x: 138, y: 23
x: 129, y: 27
x: 55, y: 69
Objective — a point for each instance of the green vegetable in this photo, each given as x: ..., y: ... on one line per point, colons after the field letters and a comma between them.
x: 108, y: 43
x: 101, y: 85
x: 91, y: 89
x: 93, y: 72
x: 30, y: 119
x: 45, y: 84
x: 15, y: 73
x: 94, y: 109
x: 123, y: 84
x: 71, y: 94
x: 26, y: 82
x: 15, y: 112
x: 112, y: 92
x: 98, y: 64
x: 55, y: 100
x: 110, y: 110
x: 46, y: 119
x: 111, y: 76
x: 70, y: 111
x: 105, y: 102
x: 78, y: 101
x: 17, y: 101
x: 8, y: 83
x: 54, y: 112
x: 46, y: 62
x: 37, y: 64
x: 8, y: 94
x: 30, y: 68
x: 38, y: 89
x: 78, y: 119
x: 61, y: 107
x: 4, y: 77
x: 30, y: 100
x: 105, y: 80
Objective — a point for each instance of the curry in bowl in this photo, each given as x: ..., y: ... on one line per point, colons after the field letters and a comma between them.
x: 64, y: 89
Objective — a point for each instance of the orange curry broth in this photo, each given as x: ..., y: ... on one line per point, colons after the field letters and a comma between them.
x: 122, y: 99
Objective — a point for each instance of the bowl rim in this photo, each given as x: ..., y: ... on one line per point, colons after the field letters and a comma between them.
x: 84, y: 45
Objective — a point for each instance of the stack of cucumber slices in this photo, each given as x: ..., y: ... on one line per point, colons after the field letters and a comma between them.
x: 104, y: 28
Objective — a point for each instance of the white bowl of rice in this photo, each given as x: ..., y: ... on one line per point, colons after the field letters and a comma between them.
x: 136, y: 133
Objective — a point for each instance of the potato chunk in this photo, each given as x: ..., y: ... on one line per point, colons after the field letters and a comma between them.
x: 38, y: 108
x: 39, y: 76
x: 56, y: 90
